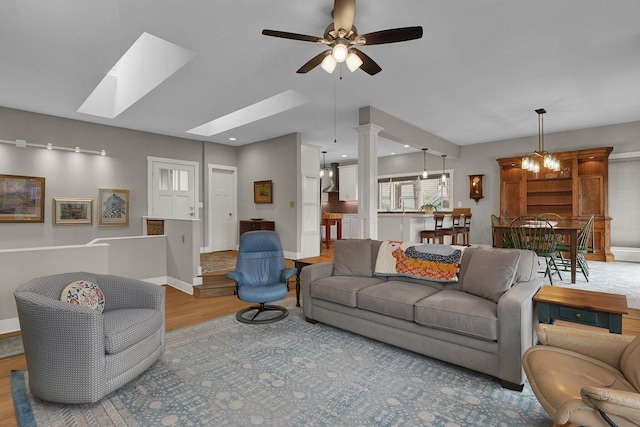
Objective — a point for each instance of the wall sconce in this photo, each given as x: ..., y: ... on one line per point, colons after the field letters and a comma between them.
x: 475, y: 187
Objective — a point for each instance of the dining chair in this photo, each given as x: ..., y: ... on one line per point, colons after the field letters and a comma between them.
x: 582, y: 248
x: 536, y: 234
x: 505, y: 219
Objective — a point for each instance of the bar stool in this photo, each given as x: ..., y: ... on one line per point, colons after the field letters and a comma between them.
x: 466, y: 229
x: 456, y: 228
x: 438, y: 232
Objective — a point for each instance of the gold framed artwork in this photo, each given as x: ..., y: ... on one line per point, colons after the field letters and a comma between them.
x: 21, y: 198
x: 113, y: 206
x: 262, y: 192
x: 72, y: 211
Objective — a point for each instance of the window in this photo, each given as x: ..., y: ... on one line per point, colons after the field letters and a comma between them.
x: 408, y: 193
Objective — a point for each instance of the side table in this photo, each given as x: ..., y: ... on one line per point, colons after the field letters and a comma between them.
x: 599, y: 309
x: 303, y: 262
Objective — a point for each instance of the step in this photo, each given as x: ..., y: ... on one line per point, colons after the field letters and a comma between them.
x: 214, y: 285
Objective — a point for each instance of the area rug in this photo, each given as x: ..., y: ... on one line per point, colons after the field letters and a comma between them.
x: 291, y: 373
x: 216, y: 261
x: 11, y: 346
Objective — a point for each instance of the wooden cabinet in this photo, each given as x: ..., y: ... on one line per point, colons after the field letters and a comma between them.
x: 251, y: 225
x: 575, y: 192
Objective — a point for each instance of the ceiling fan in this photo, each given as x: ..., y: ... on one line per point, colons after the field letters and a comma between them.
x: 341, y: 36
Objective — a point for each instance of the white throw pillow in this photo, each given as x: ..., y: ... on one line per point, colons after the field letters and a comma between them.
x: 84, y: 293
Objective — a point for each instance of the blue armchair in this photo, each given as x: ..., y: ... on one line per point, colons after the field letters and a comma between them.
x: 261, y: 276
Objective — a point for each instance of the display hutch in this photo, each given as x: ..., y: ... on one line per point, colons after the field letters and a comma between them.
x: 575, y: 192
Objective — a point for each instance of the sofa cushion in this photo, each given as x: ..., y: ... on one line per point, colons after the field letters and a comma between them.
x: 352, y: 257
x: 341, y: 289
x: 490, y: 273
x: 123, y: 328
x: 630, y: 362
x: 84, y: 293
x: 459, y: 312
x: 393, y: 298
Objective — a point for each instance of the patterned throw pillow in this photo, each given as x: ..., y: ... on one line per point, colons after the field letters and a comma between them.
x: 84, y: 293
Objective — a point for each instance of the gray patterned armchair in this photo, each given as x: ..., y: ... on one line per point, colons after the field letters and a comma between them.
x: 76, y: 354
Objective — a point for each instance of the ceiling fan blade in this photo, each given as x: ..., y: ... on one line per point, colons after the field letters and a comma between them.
x: 369, y: 66
x: 292, y: 36
x: 393, y: 35
x: 344, y: 12
x: 313, y: 62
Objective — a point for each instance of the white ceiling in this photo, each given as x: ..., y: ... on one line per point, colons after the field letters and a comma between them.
x: 477, y: 75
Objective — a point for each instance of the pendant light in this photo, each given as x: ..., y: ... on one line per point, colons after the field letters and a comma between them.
x: 530, y: 160
x: 425, y: 174
x: 324, y: 163
x: 444, y: 177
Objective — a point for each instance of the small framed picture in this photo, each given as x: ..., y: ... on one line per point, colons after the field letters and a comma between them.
x: 21, y: 198
x: 113, y: 207
x: 72, y: 211
x: 262, y: 192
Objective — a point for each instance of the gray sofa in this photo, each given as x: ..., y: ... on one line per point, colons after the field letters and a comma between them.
x: 485, y: 321
x: 77, y: 354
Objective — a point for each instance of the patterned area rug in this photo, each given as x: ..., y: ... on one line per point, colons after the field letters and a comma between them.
x: 215, y: 261
x: 293, y: 373
x: 11, y: 346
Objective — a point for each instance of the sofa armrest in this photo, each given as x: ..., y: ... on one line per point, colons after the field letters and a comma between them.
x: 516, y: 317
x: 603, y: 346
x: 613, y: 402
x: 308, y: 275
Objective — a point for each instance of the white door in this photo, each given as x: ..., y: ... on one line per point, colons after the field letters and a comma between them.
x: 173, y: 189
x: 222, y: 207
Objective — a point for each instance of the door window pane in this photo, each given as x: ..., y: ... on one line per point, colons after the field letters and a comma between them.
x: 174, y: 180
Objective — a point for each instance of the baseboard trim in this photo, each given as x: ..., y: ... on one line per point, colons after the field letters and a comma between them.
x: 626, y: 254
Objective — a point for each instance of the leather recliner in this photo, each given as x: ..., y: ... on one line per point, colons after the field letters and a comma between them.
x: 585, y: 377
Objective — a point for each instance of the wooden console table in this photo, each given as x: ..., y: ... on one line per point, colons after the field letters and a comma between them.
x: 599, y: 309
x: 251, y: 225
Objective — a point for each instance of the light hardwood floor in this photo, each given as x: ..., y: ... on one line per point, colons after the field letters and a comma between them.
x: 184, y: 310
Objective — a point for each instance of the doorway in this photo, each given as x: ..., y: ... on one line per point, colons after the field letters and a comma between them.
x: 223, y: 218
x: 172, y: 188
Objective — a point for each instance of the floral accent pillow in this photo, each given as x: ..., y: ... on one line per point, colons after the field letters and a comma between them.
x: 85, y: 294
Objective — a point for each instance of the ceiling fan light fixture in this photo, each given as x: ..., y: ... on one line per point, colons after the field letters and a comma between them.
x: 328, y: 64
x: 340, y: 51
x: 353, y: 62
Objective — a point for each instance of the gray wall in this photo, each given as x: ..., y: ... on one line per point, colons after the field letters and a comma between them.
x: 80, y: 175
x: 277, y: 160
x: 481, y: 159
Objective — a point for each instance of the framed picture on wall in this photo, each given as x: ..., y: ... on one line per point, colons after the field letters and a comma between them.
x: 113, y: 207
x: 262, y: 192
x: 21, y: 198
x: 72, y: 211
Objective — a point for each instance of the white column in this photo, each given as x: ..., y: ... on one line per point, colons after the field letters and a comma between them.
x: 368, y: 180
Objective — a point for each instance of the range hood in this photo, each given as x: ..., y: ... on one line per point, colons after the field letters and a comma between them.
x: 335, y: 180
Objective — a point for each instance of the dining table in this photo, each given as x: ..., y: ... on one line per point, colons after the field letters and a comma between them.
x: 565, y: 228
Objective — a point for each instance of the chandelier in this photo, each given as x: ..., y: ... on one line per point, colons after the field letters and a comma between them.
x: 531, y: 161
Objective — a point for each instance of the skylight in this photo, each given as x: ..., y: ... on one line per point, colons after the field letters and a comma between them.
x: 146, y: 64
x: 268, y: 107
